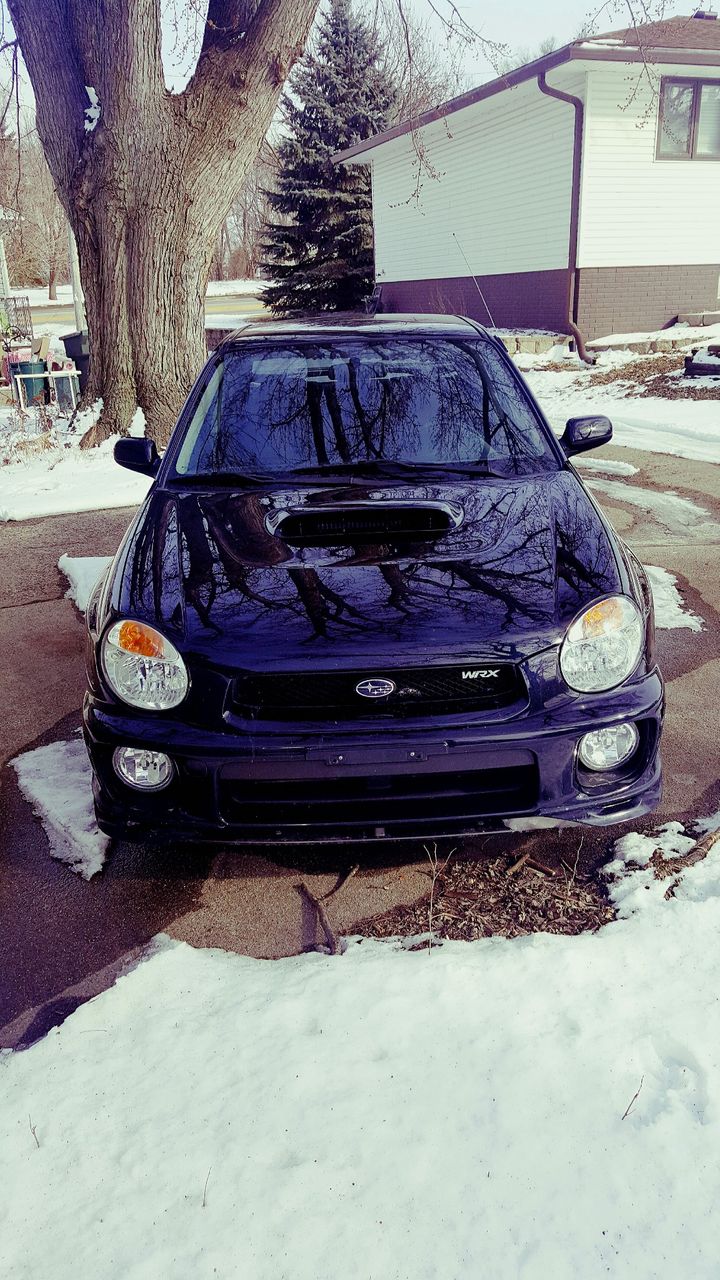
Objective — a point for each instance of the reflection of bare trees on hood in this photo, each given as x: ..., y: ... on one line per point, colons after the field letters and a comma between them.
x: 527, y: 553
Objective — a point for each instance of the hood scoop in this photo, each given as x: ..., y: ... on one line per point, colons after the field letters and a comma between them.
x: 357, y: 522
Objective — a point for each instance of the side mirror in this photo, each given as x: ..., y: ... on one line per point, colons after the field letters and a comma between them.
x: 137, y: 453
x: 586, y: 433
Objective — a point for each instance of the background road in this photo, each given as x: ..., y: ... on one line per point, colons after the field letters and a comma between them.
x: 226, y: 304
x: 62, y: 939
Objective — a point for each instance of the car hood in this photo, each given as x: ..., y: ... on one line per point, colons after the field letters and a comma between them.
x: 523, y: 556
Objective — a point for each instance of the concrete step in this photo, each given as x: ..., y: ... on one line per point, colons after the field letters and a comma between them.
x: 699, y: 317
x: 530, y: 341
x: 670, y: 341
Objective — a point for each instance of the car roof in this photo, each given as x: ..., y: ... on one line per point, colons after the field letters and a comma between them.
x: 342, y: 324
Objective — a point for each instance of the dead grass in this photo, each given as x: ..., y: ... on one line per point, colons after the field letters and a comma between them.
x: 512, y: 896
x: 34, y: 445
x: 480, y: 899
x: 652, y: 375
x: 24, y: 448
x: 658, y: 375
x: 643, y: 370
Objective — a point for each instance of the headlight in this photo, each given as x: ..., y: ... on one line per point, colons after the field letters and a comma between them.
x: 142, y: 667
x: 602, y: 647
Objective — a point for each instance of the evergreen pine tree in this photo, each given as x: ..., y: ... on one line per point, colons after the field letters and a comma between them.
x: 319, y: 254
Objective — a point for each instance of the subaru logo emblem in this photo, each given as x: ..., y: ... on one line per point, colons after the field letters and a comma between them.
x: 375, y: 688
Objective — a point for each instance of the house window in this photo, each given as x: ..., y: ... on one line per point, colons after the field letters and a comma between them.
x: 689, y: 124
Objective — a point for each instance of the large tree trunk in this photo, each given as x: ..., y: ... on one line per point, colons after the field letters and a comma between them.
x: 145, y: 243
x: 147, y: 190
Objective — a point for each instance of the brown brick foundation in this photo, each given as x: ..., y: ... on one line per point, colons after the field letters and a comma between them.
x: 637, y: 299
x: 524, y: 299
x: 610, y: 299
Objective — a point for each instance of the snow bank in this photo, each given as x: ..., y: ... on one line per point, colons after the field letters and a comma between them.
x: 682, y: 331
x: 82, y: 572
x: 238, y: 288
x: 38, y: 295
x: 543, y: 1107
x: 670, y: 611
x: 216, y: 288
x: 69, y: 479
x: 606, y: 465
x: 679, y: 515
x: 57, y: 781
x: 226, y: 320
x: 684, y: 428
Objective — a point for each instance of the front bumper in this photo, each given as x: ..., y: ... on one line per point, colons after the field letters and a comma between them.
x: 427, y: 780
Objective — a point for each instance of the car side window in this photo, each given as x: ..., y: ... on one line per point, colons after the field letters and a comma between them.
x: 206, y: 416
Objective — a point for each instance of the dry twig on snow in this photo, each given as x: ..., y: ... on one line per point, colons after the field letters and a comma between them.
x: 633, y: 1099
x: 436, y: 870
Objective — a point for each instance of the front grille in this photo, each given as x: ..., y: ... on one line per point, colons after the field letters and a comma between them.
x: 395, y: 802
x: 419, y: 691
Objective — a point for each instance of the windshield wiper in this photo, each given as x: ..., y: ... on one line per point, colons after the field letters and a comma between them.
x: 421, y: 469
x: 214, y: 479
x: 345, y: 472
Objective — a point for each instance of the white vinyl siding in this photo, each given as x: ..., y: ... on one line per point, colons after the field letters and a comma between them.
x: 493, y: 187
x: 637, y: 210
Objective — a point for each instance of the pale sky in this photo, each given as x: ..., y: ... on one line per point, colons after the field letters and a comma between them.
x: 520, y: 24
x: 525, y: 24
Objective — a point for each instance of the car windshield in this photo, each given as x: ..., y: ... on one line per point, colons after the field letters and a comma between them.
x: 278, y: 408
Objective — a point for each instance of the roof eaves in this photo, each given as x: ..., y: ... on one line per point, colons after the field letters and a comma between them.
x: 488, y: 90
x: 583, y: 51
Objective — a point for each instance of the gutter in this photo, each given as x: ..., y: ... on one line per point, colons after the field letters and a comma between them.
x: 568, y: 53
x: 572, y: 303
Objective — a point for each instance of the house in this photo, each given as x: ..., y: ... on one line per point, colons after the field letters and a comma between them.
x: 581, y: 191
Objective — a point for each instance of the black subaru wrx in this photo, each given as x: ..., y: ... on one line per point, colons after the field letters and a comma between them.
x: 368, y: 596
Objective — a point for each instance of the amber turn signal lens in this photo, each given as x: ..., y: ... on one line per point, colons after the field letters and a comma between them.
x: 136, y: 637
x: 601, y: 616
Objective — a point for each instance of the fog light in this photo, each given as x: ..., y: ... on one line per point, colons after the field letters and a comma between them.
x: 142, y: 769
x: 608, y: 748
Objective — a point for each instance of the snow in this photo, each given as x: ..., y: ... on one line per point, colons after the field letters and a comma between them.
x: 683, y: 427
x: 56, y: 780
x: 681, y: 331
x: 677, y: 514
x: 607, y: 465
x: 69, y: 479
x: 670, y: 611
x: 137, y: 424
x: 705, y: 356
x: 705, y: 825
x: 38, y: 295
x: 226, y: 320
x: 219, y: 288
x: 82, y: 572
x: 216, y: 288
x: 669, y: 841
x: 92, y: 113
x: 547, y: 1106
